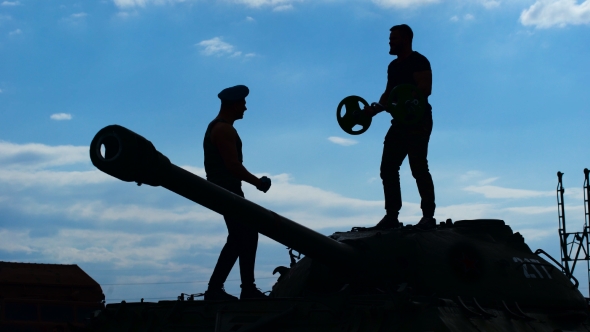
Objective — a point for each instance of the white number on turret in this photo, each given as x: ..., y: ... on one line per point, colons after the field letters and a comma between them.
x: 527, y: 264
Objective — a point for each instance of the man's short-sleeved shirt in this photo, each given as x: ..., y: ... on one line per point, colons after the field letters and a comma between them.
x: 215, y: 167
x: 402, y: 72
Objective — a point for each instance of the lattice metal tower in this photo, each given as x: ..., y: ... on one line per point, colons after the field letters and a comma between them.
x: 575, y: 246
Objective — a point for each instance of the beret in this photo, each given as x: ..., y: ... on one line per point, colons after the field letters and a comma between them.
x: 235, y: 93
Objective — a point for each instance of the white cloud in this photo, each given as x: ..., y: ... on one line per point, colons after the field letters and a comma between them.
x: 79, y: 15
x: 533, y: 234
x: 75, y: 19
x: 109, y: 215
x: 60, y: 116
x: 179, y: 269
x: 490, y: 4
x: 143, y: 3
x: 342, y: 141
x: 465, y: 211
x: 269, y: 3
x: 10, y: 3
x: 130, y: 3
x: 483, y: 187
x: 119, y: 248
x: 532, y: 210
x: 11, y: 241
x: 466, y: 17
x: 276, y: 5
x: 52, y: 178
x: 250, y: 19
x: 195, y: 170
x: 126, y: 14
x: 283, y: 8
x: 15, y: 32
x: 550, y: 13
x: 216, y: 46
x: 259, y: 3
x: 500, y: 192
x: 403, y: 3
x: 144, y: 214
x: 286, y: 193
x: 33, y: 156
x: 487, y: 181
x: 470, y: 175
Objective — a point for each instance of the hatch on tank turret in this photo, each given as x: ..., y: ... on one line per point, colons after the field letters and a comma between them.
x: 479, y: 223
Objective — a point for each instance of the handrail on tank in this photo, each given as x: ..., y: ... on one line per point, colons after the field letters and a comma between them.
x: 129, y: 157
x: 569, y: 275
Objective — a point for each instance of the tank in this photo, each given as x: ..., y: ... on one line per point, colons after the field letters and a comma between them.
x: 467, y: 275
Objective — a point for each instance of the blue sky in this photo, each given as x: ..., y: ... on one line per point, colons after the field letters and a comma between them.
x: 510, y: 105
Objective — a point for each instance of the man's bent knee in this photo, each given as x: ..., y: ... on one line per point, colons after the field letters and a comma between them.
x: 421, y: 173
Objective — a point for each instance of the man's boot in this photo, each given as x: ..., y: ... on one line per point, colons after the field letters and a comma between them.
x: 251, y: 292
x: 218, y: 294
x: 426, y: 223
x: 388, y: 222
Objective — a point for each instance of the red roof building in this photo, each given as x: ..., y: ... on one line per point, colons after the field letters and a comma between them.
x: 46, y: 297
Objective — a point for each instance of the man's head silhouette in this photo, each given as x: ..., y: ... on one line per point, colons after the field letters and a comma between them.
x: 400, y: 39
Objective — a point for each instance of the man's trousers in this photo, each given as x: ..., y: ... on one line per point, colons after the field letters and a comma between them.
x: 242, y: 242
x: 411, y: 141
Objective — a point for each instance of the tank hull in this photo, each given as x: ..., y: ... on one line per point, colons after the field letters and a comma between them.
x: 339, y: 312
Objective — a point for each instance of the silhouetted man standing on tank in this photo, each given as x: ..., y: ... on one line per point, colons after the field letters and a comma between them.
x: 223, y: 165
x: 401, y: 140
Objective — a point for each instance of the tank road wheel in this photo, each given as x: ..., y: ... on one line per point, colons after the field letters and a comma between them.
x: 353, y: 115
x: 406, y: 104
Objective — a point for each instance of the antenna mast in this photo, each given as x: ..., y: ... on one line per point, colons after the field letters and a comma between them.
x: 562, y: 231
x: 587, y: 220
x: 576, y: 241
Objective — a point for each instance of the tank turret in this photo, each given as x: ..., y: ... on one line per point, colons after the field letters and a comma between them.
x: 474, y: 264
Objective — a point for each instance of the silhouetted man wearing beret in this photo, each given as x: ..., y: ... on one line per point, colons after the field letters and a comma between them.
x: 401, y: 140
x: 223, y: 165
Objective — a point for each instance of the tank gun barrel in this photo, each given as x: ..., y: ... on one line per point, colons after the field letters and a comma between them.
x: 130, y: 157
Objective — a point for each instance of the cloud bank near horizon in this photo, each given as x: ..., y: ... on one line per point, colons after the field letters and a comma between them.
x: 42, y: 191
